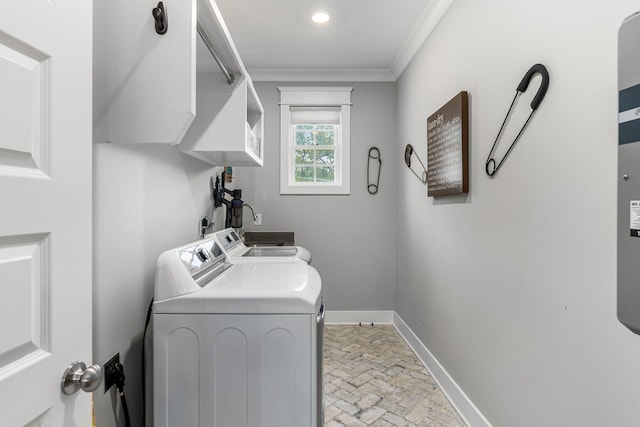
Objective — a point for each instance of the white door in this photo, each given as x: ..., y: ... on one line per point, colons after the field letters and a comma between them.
x: 45, y: 208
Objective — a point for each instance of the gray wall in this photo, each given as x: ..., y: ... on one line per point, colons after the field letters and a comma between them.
x: 351, y: 238
x: 147, y: 199
x: 513, y: 287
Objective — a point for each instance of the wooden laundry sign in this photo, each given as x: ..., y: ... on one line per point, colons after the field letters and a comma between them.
x: 448, y: 148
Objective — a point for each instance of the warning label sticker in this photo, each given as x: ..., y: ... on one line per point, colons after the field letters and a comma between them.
x: 634, y: 218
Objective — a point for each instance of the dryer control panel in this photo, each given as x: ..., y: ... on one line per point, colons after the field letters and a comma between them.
x: 229, y: 239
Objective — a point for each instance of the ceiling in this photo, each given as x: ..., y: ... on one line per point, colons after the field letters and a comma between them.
x: 365, y: 40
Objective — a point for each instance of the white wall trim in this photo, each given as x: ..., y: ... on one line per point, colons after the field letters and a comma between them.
x: 298, y: 96
x: 422, y: 30
x: 296, y: 75
x: 334, y: 317
x: 460, y: 401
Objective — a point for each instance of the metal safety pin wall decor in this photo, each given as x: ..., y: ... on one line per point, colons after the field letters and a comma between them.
x: 408, y: 151
x: 491, y: 167
x: 374, y: 154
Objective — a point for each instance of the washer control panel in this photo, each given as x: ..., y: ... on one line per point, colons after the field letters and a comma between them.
x: 200, y: 256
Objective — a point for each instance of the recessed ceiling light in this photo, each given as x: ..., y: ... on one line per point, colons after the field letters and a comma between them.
x: 320, y: 18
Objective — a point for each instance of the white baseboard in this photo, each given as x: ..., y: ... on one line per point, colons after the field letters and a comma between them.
x: 355, y: 317
x: 461, y: 402
x: 463, y: 405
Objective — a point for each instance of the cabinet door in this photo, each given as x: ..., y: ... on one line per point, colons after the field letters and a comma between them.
x: 144, y: 82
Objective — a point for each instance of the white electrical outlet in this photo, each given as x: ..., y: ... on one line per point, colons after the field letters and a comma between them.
x: 258, y: 220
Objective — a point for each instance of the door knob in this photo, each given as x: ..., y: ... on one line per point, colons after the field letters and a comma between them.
x: 77, y: 376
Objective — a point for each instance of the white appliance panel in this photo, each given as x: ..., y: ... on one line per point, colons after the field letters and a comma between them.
x: 235, y: 370
x: 183, y: 360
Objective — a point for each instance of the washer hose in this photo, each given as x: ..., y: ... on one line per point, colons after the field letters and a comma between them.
x: 119, y: 380
x: 144, y: 364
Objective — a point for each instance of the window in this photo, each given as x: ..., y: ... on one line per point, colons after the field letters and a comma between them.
x: 315, y: 148
x: 315, y: 140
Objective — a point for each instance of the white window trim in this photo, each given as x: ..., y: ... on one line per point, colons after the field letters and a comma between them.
x: 315, y: 97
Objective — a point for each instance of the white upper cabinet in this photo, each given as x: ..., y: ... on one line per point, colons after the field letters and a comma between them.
x: 174, y: 88
x: 144, y: 82
x: 228, y: 128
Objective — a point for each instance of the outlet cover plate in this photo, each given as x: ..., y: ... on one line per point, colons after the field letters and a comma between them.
x: 108, y: 369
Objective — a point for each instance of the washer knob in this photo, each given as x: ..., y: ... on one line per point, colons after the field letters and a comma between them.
x: 202, y: 255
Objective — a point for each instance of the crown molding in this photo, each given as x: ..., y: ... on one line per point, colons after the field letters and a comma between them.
x: 428, y: 21
x: 334, y: 75
x: 420, y: 33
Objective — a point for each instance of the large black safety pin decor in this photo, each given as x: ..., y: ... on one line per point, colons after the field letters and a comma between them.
x: 374, y: 154
x: 491, y: 167
x: 408, y: 151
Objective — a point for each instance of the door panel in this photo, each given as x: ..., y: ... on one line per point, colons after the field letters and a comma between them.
x: 24, y: 285
x: 45, y: 214
x: 24, y: 106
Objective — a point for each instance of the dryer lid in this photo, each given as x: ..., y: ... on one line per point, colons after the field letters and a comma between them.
x: 237, y: 252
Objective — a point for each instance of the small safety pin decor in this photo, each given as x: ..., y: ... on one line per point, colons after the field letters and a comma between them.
x: 491, y: 167
x: 160, y: 16
x: 374, y: 154
x: 408, y: 151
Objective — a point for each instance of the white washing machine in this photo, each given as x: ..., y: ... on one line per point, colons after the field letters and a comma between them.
x: 238, y: 252
x: 236, y: 345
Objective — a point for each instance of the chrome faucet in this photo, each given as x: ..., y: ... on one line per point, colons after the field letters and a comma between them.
x: 253, y: 212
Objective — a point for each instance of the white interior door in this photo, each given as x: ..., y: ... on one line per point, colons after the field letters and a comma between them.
x: 45, y: 208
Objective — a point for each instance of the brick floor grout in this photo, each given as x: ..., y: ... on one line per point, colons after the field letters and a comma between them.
x: 373, y: 378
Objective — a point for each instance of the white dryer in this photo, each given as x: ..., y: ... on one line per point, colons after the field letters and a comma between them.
x: 236, y: 345
x: 238, y: 252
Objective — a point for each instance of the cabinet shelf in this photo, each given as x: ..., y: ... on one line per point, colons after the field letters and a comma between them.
x: 229, y: 123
